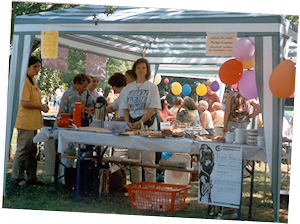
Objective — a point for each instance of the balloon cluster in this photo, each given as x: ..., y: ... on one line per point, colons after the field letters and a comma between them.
x: 231, y: 71
x: 201, y: 89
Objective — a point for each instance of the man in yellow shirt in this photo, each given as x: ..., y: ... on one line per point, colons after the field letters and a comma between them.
x: 29, y: 119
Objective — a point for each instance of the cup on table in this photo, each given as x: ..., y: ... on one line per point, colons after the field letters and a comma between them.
x: 261, y: 141
x: 229, y: 137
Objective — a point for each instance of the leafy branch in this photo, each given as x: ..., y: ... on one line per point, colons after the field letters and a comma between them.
x: 108, y: 12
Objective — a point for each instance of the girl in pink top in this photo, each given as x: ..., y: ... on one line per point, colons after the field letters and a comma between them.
x: 165, y: 114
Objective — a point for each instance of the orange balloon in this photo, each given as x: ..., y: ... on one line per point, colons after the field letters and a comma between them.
x: 231, y: 71
x: 282, y: 79
x: 248, y: 64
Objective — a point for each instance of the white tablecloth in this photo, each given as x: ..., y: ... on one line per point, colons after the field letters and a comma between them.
x: 48, y: 135
x: 45, y: 134
x: 173, y: 145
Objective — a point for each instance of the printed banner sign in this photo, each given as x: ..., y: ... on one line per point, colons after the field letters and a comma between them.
x: 60, y: 63
x: 220, y: 44
x: 49, y: 44
x: 95, y: 65
x: 220, y: 175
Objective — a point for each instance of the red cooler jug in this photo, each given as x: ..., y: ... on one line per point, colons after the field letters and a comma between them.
x: 78, y: 113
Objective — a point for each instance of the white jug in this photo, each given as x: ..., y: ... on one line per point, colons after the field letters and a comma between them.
x: 239, y: 135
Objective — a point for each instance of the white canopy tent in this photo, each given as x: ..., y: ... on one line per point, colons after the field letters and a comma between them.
x: 163, y: 36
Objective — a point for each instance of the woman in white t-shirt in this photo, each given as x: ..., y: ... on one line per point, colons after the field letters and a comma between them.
x: 139, y: 101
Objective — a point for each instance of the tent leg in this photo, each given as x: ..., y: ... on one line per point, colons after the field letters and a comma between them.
x: 239, y: 212
x: 78, y: 173
x: 251, y: 190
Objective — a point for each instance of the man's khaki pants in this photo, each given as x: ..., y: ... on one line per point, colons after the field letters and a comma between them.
x: 145, y: 157
x: 25, y: 157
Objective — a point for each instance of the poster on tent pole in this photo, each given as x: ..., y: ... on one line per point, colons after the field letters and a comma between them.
x: 220, y: 44
x: 220, y: 175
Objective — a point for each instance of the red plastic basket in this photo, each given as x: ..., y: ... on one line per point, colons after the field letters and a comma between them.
x: 157, y: 196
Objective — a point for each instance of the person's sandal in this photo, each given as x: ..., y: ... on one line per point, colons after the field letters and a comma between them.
x: 20, y: 182
x: 35, y: 182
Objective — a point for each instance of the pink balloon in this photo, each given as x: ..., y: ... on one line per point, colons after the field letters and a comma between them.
x: 234, y: 86
x: 166, y: 80
x: 243, y: 50
x: 247, y: 85
x: 292, y: 96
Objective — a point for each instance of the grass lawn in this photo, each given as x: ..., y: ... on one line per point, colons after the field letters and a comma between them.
x: 60, y: 199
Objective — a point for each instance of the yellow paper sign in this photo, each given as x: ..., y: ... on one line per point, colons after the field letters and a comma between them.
x: 49, y: 44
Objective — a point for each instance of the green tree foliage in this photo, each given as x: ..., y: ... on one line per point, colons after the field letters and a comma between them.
x: 293, y: 18
x: 76, y: 64
x: 113, y: 66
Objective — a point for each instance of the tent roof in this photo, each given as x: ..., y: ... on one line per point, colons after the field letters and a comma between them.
x: 84, y: 14
x: 163, y: 36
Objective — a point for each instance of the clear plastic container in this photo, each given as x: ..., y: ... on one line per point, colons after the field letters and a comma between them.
x: 116, y: 126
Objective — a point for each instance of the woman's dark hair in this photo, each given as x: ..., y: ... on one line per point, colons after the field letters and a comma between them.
x: 81, y: 78
x: 162, y: 101
x: 33, y: 60
x: 117, y: 79
x: 129, y: 72
x: 141, y: 60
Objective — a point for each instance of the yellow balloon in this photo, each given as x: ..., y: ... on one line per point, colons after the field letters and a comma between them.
x: 157, y: 79
x: 176, y: 88
x: 247, y: 64
x: 201, y: 90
